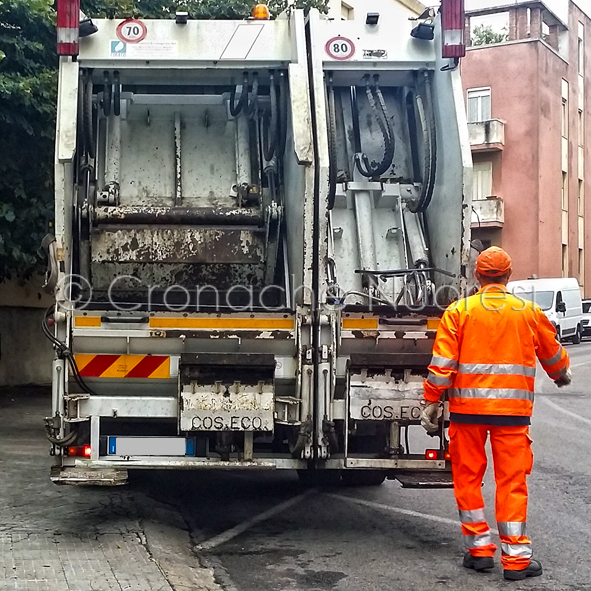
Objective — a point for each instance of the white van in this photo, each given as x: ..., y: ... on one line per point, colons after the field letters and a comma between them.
x: 561, y: 301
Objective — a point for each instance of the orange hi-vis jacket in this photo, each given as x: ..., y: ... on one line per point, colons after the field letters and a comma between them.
x: 485, y: 351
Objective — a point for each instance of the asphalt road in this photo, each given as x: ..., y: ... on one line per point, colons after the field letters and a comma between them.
x: 263, y: 531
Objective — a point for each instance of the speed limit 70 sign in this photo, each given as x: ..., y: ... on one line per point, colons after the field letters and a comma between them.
x: 340, y: 48
x: 132, y: 31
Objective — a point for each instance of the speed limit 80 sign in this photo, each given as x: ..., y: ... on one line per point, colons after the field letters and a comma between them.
x: 132, y: 31
x: 340, y: 48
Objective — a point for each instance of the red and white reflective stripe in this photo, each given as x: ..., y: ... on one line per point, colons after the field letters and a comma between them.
x: 67, y: 35
x: 452, y: 25
x: 453, y: 37
x: 68, y: 21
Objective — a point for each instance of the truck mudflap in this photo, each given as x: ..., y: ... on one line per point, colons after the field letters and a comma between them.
x: 424, y: 479
x: 83, y: 476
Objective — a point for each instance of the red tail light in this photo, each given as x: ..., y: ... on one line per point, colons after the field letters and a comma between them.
x: 68, y: 21
x: 453, y: 22
x: 79, y: 451
x: 436, y: 454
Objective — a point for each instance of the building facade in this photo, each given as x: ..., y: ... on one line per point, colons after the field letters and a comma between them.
x: 350, y: 9
x: 528, y: 104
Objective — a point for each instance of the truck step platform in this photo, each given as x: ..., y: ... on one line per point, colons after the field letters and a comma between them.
x: 425, y: 480
x: 88, y: 476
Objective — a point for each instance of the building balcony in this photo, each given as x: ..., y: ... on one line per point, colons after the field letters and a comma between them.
x: 488, y: 213
x: 487, y: 136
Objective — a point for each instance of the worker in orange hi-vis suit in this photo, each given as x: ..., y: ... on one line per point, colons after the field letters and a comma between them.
x: 484, y: 355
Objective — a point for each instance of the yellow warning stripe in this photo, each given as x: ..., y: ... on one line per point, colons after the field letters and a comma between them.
x: 360, y: 323
x: 224, y: 323
x: 87, y: 321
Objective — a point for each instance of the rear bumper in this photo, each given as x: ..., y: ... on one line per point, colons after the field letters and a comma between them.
x: 186, y: 463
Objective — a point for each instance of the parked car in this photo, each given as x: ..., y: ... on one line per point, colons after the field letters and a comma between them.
x: 586, y: 322
x: 560, y: 299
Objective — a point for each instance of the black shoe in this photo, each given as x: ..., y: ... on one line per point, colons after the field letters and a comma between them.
x: 533, y: 569
x: 478, y: 563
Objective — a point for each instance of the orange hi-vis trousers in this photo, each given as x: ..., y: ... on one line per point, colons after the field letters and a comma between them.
x: 513, y: 459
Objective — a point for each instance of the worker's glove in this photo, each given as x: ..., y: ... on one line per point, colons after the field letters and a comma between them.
x: 430, y: 416
x: 564, y: 380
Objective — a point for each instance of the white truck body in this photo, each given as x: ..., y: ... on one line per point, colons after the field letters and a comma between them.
x: 221, y: 295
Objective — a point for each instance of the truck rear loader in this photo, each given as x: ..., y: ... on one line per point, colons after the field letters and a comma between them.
x: 258, y: 226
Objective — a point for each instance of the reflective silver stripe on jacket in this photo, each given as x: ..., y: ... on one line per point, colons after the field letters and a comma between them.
x: 517, y: 550
x: 438, y: 380
x: 513, y: 369
x: 492, y: 393
x: 472, y: 516
x: 478, y: 541
x: 554, y: 359
x: 444, y: 362
x: 511, y: 528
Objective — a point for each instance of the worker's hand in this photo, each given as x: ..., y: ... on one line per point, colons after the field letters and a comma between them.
x: 429, y: 416
x: 564, y: 380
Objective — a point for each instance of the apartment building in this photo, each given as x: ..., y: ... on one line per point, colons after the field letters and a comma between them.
x: 528, y: 100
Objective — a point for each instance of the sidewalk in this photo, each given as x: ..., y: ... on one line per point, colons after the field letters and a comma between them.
x: 77, y: 538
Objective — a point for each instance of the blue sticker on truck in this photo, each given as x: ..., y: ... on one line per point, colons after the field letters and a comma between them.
x: 118, y: 48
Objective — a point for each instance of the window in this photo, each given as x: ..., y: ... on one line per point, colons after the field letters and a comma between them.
x: 581, y: 265
x: 564, y: 191
x: 581, y: 198
x: 544, y: 299
x: 581, y: 128
x: 581, y: 49
x: 528, y: 24
x: 347, y: 12
x: 564, y: 260
x: 478, y: 105
x: 564, y: 108
x: 481, y: 180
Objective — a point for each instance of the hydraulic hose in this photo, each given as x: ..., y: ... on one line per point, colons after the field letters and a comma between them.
x: 332, y: 145
x: 253, y: 104
x: 235, y: 110
x: 270, y: 143
x: 383, y: 120
x: 116, y: 94
x: 88, y: 128
x: 107, y: 94
x: 64, y: 353
x: 391, y: 147
x: 282, y: 118
x: 67, y: 440
x: 427, y: 123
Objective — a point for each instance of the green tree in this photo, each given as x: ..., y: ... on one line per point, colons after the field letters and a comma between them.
x: 27, y: 120
x: 200, y: 9
x: 486, y: 35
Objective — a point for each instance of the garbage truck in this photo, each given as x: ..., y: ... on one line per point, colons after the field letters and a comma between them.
x: 258, y: 225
